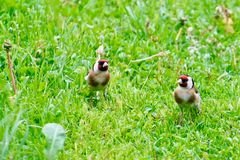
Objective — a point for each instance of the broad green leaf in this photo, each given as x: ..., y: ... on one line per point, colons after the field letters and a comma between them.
x: 55, y: 135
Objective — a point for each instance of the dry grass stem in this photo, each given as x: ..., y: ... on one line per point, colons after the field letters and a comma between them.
x: 149, y: 58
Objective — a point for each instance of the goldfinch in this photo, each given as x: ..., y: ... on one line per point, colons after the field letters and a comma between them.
x: 186, y: 95
x: 99, y: 76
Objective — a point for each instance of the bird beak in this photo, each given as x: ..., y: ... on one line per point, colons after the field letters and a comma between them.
x: 105, y: 64
x: 179, y: 81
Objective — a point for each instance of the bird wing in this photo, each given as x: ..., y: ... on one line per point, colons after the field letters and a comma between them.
x: 87, y: 75
x: 196, y: 91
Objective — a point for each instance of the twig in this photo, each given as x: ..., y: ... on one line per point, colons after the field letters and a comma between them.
x: 99, y: 52
x: 222, y: 75
x: 178, y: 34
x: 149, y: 58
x: 7, y: 46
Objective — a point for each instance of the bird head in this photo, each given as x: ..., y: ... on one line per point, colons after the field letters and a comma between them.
x: 185, y: 81
x: 101, y: 65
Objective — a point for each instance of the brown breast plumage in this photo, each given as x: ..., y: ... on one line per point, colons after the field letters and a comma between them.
x: 187, y: 96
x: 98, y: 79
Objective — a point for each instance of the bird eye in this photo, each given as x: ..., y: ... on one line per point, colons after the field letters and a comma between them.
x: 184, y: 80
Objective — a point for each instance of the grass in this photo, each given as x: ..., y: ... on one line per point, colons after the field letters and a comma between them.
x: 54, y: 44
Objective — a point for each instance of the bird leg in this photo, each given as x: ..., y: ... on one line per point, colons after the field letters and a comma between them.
x: 190, y: 117
x: 180, y: 122
x: 93, y: 98
x: 105, y: 93
x: 195, y: 110
x: 97, y: 95
x: 91, y: 95
x: 198, y: 108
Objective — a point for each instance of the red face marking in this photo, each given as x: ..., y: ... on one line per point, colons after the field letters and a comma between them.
x: 183, y: 77
x: 184, y: 80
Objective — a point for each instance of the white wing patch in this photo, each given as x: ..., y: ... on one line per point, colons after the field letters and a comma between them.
x: 86, y: 78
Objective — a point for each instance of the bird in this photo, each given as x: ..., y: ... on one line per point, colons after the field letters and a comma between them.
x: 98, y: 77
x: 186, y: 95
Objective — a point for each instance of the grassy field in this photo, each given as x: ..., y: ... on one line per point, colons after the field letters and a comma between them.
x: 54, y: 45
